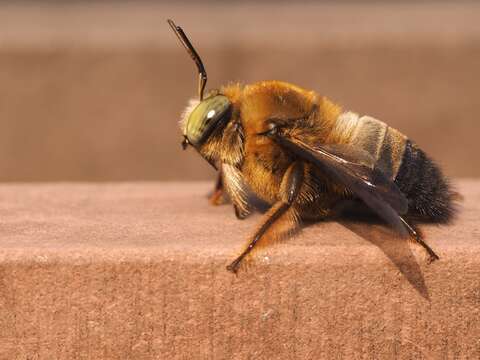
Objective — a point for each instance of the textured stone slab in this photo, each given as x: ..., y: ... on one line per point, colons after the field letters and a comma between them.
x: 137, y: 270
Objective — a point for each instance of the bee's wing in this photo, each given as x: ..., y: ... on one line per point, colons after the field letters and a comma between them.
x: 355, y: 169
x: 350, y: 153
x: 362, y: 165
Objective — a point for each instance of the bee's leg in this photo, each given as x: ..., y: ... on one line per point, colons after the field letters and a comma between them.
x: 217, y: 196
x: 417, y: 237
x: 236, y: 189
x: 282, y: 214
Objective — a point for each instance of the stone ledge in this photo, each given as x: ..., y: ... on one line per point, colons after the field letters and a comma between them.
x: 137, y: 270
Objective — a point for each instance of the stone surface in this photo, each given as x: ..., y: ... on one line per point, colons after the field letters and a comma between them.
x: 137, y: 271
x: 93, y: 91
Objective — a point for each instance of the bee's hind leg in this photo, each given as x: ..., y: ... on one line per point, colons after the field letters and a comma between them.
x: 417, y: 237
x: 281, y: 216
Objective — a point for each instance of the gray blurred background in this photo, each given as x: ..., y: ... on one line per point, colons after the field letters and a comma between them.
x: 93, y: 91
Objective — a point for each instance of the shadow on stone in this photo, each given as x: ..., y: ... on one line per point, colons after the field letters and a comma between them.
x: 359, y: 219
x: 396, y: 249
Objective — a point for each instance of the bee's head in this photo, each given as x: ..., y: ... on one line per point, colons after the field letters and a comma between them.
x: 202, y: 118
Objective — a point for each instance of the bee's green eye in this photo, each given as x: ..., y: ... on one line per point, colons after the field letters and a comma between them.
x: 206, y: 117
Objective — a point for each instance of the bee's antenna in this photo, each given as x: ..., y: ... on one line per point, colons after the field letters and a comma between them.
x: 202, y: 81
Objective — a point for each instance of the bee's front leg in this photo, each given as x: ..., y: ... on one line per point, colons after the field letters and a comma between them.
x: 282, y: 217
x: 237, y: 191
x: 217, y: 196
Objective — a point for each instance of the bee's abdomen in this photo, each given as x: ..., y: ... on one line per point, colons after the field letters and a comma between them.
x: 385, y: 144
x: 430, y: 197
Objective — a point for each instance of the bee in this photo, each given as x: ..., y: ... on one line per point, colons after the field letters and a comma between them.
x: 305, y: 156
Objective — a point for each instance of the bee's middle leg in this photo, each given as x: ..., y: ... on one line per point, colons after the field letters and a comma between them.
x: 281, y: 213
